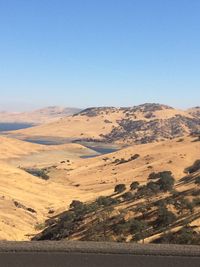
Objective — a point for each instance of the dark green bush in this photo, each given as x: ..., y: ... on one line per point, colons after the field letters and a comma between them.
x: 195, y: 167
x: 119, y: 188
x: 134, y: 185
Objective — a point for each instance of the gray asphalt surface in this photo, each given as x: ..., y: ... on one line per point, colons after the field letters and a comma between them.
x: 91, y: 254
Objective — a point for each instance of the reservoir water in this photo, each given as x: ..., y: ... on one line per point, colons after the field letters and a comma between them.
x: 6, y: 126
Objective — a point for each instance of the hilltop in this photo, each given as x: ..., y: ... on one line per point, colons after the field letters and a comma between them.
x: 132, y: 125
x: 39, y: 116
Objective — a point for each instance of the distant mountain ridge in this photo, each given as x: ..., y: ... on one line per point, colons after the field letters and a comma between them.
x: 145, y: 123
x: 39, y: 116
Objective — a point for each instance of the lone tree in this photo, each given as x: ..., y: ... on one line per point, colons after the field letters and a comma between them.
x: 134, y: 185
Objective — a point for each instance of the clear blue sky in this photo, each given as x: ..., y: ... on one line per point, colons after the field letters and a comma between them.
x: 99, y: 52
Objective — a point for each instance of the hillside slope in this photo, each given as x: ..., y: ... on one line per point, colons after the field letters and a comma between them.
x: 136, y: 162
x: 160, y: 211
x: 26, y: 200
x: 140, y: 124
x: 14, y: 149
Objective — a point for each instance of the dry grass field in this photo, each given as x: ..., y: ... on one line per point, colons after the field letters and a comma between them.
x: 40, y: 181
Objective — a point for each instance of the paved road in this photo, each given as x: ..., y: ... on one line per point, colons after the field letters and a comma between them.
x: 96, y: 255
x: 32, y: 259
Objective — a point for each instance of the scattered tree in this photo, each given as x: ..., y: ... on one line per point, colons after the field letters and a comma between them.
x: 138, y: 229
x: 119, y: 188
x: 195, y: 167
x: 165, y: 217
x: 127, y: 196
x: 134, y: 185
x: 197, y: 180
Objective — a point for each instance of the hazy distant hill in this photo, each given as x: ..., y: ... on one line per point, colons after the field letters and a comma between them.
x: 139, y: 124
x: 39, y: 116
x: 195, y: 111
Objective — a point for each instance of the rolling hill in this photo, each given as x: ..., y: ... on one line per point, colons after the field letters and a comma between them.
x: 135, y: 125
x: 159, y: 204
x: 38, y: 182
x: 27, y: 200
x: 18, y: 151
x: 136, y: 162
x: 27, y: 196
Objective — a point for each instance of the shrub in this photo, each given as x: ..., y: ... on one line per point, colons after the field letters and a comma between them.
x: 166, y: 182
x: 76, y: 204
x: 119, y: 188
x: 154, y: 187
x: 138, y: 229
x: 134, y: 185
x: 165, y: 217
x: 196, y: 201
x: 195, y: 167
x: 184, y: 204
x: 197, y: 180
x: 185, y: 236
x: 143, y: 191
x: 121, y: 227
x: 127, y: 196
x: 134, y: 157
x: 106, y: 201
x: 41, y: 173
x: 152, y: 176
x: 158, y: 175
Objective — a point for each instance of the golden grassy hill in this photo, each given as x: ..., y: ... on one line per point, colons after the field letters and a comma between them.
x: 11, y: 148
x: 83, y: 179
x: 20, y: 191
x: 25, y: 201
x: 161, y: 210
x: 17, y: 151
x: 102, y: 173
x: 140, y: 124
